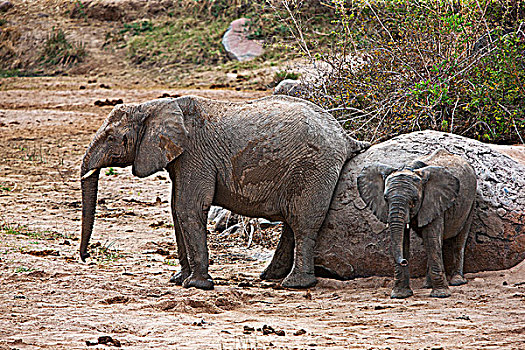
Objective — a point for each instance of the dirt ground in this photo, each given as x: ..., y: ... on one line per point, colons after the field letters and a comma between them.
x: 51, y: 300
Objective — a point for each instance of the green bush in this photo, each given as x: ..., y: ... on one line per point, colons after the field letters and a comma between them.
x: 58, y: 50
x: 406, y: 65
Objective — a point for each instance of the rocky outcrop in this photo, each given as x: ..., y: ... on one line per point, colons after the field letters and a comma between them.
x: 353, y: 242
x: 237, y: 44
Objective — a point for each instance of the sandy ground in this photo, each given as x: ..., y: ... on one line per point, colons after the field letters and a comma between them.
x: 51, y: 300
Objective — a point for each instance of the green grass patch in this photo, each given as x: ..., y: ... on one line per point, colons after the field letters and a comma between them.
x: 111, y: 172
x: 104, y: 253
x: 9, y: 73
x: 23, y: 269
x: 59, y: 50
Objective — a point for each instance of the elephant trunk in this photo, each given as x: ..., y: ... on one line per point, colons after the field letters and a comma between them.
x: 89, y: 184
x: 397, y: 220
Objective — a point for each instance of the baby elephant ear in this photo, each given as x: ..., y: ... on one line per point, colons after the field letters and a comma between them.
x: 439, y: 193
x: 371, y: 187
x: 163, y: 137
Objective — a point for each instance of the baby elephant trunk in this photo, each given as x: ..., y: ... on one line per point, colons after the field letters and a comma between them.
x: 397, y: 222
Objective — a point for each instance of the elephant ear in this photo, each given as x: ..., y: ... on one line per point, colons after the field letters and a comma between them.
x: 440, y: 191
x: 371, y: 187
x: 162, y: 136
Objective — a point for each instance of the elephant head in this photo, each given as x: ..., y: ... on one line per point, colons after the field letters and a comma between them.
x: 416, y: 194
x: 147, y: 136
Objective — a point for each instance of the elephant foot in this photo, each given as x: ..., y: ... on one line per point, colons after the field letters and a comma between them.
x: 299, y: 280
x: 198, y: 282
x: 275, y: 273
x: 440, y: 293
x: 457, y: 280
x: 179, y: 277
x: 401, y: 293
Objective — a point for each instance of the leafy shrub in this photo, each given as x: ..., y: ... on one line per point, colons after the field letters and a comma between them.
x: 399, y: 66
x: 58, y: 50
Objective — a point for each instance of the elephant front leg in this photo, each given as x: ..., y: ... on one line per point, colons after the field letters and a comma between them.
x: 184, y: 272
x: 458, y: 253
x: 194, y: 234
x: 402, y: 288
x: 433, y: 241
x: 282, y: 260
x: 193, y: 202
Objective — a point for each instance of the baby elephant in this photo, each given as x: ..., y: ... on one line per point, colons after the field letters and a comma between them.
x: 276, y: 157
x: 435, y: 197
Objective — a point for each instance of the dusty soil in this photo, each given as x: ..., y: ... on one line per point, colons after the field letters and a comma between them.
x: 51, y: 300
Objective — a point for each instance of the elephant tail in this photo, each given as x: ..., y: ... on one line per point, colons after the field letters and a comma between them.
x: 354, y: 147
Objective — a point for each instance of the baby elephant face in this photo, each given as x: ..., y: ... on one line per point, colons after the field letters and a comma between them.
x: 404, y: 187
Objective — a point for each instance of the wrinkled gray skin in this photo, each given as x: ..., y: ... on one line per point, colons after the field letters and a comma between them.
x: 278, y: 157
x: 435, y: 197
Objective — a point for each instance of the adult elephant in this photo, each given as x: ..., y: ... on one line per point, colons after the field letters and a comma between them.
x: 277, y: 157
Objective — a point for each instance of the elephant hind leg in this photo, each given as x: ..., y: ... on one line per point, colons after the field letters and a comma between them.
x: 458, y: 252
x: 282, y: 260
x: 305, y: 222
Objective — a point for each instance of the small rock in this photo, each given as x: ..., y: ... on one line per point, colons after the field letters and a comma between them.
x: 307, y: 295
x: 237, y: 44
x: 300, y: 332
x: 267, y: 330
x: 289, y: 87
x: 107, y: 340
x: 107, y: 102
x: 248, y: 330
x: 463, y: 317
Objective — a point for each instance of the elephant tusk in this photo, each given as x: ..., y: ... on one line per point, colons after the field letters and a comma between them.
x: 408, y: 226
x: 88, y: 174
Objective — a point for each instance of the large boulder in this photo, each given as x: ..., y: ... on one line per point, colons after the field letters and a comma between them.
x: 237, y: 44
x: 353, y: 242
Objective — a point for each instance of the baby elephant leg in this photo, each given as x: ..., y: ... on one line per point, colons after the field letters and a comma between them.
x: 458, y: 253
x: 433, y: 241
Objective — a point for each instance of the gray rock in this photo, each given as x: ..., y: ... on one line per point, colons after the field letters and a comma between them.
x: 288, y: 87
x: 237, y: 44
x: 353, y: 243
